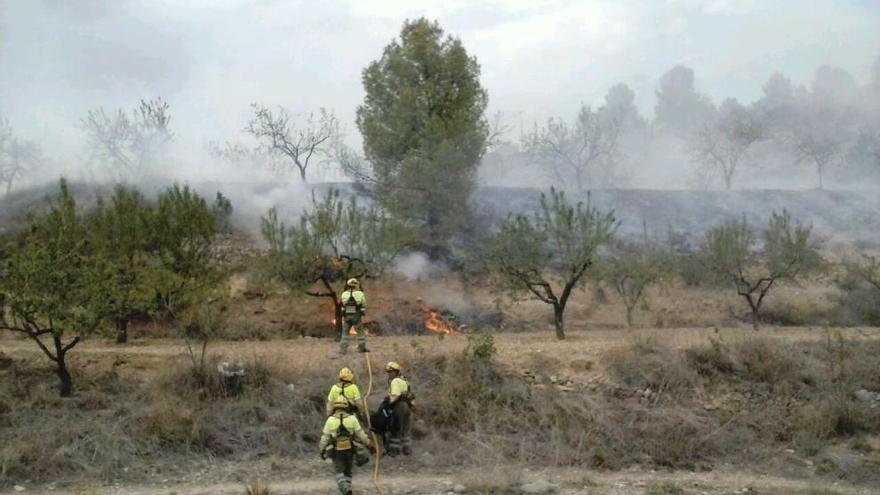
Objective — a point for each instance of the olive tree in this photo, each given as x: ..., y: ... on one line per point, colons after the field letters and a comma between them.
x: 631, y: 269
x: 735, y: 257
x: 50, y: 285
x: 333, y: 242
x: 549, y: 253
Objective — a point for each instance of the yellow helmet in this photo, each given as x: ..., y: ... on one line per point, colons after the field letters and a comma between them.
x: 392, y: 366
x: 341, y: 403
x: 346, y: 375
x: 352, y: 282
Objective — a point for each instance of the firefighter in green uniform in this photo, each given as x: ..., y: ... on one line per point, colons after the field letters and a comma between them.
x: 400, y: 398
x: 347, y: 389
x: 342, y: 432
x: 354, y: 305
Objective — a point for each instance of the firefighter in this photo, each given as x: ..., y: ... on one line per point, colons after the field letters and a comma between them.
x: 342, y: 440
x: 400, y: 398
x: 354, y: 305
x: 347, y: 389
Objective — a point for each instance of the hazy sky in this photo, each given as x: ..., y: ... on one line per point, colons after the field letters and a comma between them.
x: 211, y: 58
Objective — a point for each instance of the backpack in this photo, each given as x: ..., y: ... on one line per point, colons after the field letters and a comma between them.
x: 409, y: 397
x: 342, y: 440
x: 351, y: 305
x: 352, y: 407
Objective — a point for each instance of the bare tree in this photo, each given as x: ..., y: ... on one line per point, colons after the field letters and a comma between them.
x: 867, y: 146
x: 574, y: 152
x: 241, y: 155
x: 17, y: 156
x: 867, y: 269
x: 820, y: 148
x: 129, y: 143
x: 278, y: 135
x: 722, y: 144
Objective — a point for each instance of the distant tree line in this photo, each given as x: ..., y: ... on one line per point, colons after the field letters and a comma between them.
x: 829, y: 129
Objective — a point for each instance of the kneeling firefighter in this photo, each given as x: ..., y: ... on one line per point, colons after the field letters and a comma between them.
x: 343, y: 440
x: 400, y: 401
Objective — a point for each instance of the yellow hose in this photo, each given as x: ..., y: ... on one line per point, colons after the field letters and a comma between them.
x: 370, y: 426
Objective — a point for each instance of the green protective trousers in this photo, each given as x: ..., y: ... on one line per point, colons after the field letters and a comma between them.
x: 349, y: 322
x: 399, y: 439
x: 342, y: 464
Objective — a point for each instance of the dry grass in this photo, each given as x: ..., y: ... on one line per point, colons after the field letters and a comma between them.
x: 257, y: 488
x: 710, y: 400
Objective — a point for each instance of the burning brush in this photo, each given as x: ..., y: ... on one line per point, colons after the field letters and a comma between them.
x: 435, y: 322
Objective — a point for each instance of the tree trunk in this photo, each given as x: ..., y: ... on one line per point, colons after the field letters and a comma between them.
x: 302, y: 174
x: 755, y: 307
x: 557, y: 321
x: 728, y: 180
x: 337, y: 310
x: 121, y: 331
x: 66, y: 386
x: 629, y: 316
x: 435, y: 248
x: 819, y: 170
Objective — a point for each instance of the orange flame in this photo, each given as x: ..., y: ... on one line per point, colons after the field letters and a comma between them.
x: 436, y: 323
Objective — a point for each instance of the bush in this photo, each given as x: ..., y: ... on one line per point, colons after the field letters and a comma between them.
x: 764, y: 360
x: 481, y: 346
x: 711, y: 360
x: 648, y: 364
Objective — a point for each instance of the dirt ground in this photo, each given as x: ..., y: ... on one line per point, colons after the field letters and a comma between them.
x: 561, y: 482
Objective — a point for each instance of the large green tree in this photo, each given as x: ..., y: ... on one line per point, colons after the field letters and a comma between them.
x: 424, y: 129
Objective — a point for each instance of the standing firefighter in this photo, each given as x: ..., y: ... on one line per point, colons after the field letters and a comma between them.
x: 346, y: 389
x: 400, y: 399
x: 353, y: 307
x: 342, y: 440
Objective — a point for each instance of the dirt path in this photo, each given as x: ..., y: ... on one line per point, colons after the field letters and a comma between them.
x: 563, y: 482
x: 511, y: 346
x: 581, y: 354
